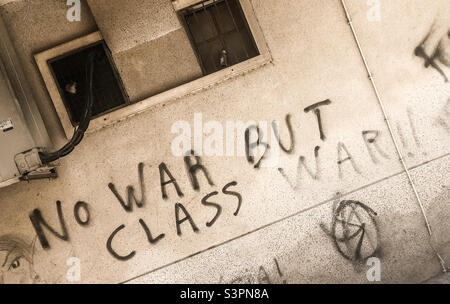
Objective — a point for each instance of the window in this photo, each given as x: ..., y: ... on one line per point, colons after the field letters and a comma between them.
x: 219, y: 34
x: 69, y: 72
x: 214, y: 26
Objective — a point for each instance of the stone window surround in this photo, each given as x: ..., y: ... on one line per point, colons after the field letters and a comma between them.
x: 189, y: 88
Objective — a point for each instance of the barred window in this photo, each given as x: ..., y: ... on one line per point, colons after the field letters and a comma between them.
x: 219, y: 33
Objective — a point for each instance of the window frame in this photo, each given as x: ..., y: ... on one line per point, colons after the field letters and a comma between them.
x: 116, y: 75
x: 195, y: 46
x: 178, y: 92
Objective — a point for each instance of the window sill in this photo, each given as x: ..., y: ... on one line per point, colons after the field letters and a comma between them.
x: 187, y: 89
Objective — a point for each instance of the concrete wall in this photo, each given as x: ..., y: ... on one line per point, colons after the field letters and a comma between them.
x: 150, y: 47
x: 283, y: 230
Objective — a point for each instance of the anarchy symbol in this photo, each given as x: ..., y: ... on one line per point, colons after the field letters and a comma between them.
x: 354, y: 231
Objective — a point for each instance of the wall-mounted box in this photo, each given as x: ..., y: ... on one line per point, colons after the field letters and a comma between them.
x: 21, y: 125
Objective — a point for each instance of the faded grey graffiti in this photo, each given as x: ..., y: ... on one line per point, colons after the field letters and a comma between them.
x: 271, y: 274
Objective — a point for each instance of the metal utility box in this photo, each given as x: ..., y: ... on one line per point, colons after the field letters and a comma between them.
x: 22, y: 131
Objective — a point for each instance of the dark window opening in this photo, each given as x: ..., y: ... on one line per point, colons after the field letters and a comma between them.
x: 69, y: 71
x: 219, y: 34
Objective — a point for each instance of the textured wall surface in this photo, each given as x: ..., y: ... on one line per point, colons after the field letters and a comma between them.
x: 158, y: 65
x: 283, y: 230
x: 150, y: 47
x: 127, y: 24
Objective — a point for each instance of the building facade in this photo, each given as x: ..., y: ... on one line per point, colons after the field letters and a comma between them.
x: 331, y: 200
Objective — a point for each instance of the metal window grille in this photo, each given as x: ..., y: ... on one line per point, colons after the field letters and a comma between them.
x: 219, y: 33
